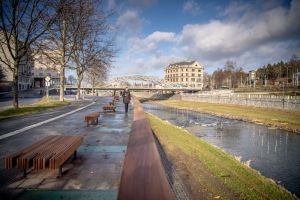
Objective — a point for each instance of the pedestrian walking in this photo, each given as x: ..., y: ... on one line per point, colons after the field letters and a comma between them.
x: 126, y: 98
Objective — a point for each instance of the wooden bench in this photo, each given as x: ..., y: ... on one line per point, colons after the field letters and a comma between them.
x: 105, y: 108
x: 116, y: 98
x: 49, y: 152
x: 93, y: 117
x: 112, y: 103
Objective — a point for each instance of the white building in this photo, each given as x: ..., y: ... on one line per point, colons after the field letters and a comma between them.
x: 44, y: 67
x: 24, y: 69
x: 185, y: 73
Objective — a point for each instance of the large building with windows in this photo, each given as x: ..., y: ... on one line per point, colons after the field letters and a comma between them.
x: 185, y: 73
x: 44, y: 67
x: 24, y: 70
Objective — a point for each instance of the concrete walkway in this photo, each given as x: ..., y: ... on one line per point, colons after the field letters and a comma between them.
x: 96, y: 172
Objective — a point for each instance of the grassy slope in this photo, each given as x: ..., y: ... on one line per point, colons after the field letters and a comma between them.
x: 288, y: 120
x: 33, y: 108
x: 243, y: 180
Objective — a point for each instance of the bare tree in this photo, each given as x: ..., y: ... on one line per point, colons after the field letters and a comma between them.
x: 72, y: 80
x: 59, y: 44
x: 22, y: 23
x: 95, y: 46
x: 96, y: 74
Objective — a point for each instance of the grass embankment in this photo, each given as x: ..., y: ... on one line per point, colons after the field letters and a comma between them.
x: 284, y: 119
x: 42, y: 105
x: 210, y: 172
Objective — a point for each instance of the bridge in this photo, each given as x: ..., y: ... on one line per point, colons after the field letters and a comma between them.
x: 147, y: 83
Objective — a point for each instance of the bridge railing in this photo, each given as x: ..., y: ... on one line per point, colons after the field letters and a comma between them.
x: 143, y: 175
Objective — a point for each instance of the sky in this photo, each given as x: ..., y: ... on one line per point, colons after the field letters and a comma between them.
x: 251, y: 33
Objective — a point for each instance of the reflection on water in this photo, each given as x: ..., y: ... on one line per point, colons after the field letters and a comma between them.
x: 274, y: 153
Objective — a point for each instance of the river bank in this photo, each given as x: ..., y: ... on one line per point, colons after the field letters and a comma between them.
x: 209, y: 172
x: 273, y: 118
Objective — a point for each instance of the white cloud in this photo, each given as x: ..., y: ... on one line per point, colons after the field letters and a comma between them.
x: 217, y: 39
x: 151, y: 43
x: 191, y: 6
x: 130, y: 21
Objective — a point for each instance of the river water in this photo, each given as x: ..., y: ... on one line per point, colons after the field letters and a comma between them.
x: 274, y: 153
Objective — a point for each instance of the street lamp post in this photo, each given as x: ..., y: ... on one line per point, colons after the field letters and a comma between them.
x: 287, y: 76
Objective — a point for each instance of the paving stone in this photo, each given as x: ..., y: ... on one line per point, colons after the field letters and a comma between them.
x: 31, y: 183
x: 53, y: 184
x: 74, y: 184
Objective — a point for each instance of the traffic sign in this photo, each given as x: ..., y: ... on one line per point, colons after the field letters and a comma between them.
x: 47, y: 78
x: 47, y: 83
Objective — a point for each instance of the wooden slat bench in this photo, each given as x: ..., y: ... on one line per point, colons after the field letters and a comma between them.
x: 105, y: 108
x: 112, y: 103
x: 116, y: 98
x: 49, y: 152
x: 93, y: 117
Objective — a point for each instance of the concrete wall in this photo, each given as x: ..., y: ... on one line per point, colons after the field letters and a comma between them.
x: 286, y: 103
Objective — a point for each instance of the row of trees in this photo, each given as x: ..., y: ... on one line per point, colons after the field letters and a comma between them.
x: 73, y: 34
x: 233, y: 76
x: 280, y: 70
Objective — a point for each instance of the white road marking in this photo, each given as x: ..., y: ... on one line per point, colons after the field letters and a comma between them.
x: 40, y: 123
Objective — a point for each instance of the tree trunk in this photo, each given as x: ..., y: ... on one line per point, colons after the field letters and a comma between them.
x: 62, y: 83
x: 78, y: 87
x: 16, y: 85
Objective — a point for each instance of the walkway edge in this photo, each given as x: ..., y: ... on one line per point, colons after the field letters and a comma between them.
x: 40, y: 123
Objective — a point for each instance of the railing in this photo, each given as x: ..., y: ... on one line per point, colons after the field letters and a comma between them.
x: 143, y: 175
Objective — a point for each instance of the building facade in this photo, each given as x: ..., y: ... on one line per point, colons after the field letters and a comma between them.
x: 44, y: 67
x: 24, y: 70
x: 185, y: 74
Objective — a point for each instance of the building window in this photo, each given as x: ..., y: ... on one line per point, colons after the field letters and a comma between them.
x: 199, y: 70
x: 193, y: 70
x: 181, y: 79
x: 48, y: 74
x: 177, y: 79
x: 40, y: 74
x: 182, y: 70
x: 199, y: 75
x: 186, y: 74
x: 186, y: 79
x: 186, y: 70
x: 181, y: 74
x: 193, y: 74
x: 192, y: 79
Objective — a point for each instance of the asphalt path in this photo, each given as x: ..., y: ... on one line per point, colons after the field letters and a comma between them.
x: 13, y: 124
x: 8, y: 103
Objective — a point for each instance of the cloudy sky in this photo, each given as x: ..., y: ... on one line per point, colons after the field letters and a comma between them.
x: 252, y: 33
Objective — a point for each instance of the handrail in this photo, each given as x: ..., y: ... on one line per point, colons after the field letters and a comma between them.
x: 143, y: 175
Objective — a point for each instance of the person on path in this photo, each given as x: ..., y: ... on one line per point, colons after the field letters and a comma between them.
x: 126, y: 98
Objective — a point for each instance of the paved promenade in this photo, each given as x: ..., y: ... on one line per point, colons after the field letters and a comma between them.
x: 96, y: 172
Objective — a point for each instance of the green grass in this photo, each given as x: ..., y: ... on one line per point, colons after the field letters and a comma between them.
x: 244, y: 181
x: 42, y: 105
x: 288, y: 120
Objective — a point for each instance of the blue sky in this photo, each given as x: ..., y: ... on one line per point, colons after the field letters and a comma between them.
x: 251, y: 33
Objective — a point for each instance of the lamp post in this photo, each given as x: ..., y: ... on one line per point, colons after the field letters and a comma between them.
x: 287, y: 75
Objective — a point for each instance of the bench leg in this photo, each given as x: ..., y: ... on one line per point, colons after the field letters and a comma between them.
x: 60, y: 170
x: 75, y: 155
x: 97, y: 120
x: 24, y: 172
x: 87, y: 123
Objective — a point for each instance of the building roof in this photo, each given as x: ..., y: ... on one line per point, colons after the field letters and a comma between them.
x: 185, y: 62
